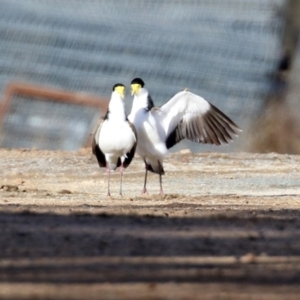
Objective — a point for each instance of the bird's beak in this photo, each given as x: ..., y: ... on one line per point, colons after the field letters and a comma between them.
x: 135, y: 88
x: 120, y: 90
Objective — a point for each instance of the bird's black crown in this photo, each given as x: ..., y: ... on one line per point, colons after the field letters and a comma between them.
x: 138, y: 81
x: 116, y: 85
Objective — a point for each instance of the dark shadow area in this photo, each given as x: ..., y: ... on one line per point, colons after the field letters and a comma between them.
x: 246, y: 246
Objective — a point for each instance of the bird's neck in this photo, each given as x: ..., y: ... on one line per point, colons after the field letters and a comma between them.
x: 140, y: 102
x: 116, y: 109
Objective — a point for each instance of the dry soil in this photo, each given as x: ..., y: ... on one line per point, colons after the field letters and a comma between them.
x: 227, y: 227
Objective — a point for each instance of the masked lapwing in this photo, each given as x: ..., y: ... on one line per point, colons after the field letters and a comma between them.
x: 115, y: 138
x: 185, y: 116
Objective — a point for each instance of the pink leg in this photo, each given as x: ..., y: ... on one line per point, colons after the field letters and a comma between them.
x: 108, y: 179
x: 160, y: 185
x: 161, y: 170
x: 144, y: 191
x: 121, y: 179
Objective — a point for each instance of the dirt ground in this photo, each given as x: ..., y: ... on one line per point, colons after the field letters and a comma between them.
x: 228, y: 227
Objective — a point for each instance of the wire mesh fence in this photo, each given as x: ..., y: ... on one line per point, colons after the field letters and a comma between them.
x: 26, y: 128
x: 42, y: 118
x: 223, y: 50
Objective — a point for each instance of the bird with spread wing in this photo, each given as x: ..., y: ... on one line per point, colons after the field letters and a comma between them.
x: 185, y: 116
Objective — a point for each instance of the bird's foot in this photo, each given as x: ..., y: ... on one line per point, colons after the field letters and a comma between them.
x: 144, y: 191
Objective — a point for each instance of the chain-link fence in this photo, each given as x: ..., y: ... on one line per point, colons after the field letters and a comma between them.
x: 225, y: 50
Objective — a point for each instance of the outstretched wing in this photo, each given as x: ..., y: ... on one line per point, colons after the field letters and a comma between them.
x: 189, y: 116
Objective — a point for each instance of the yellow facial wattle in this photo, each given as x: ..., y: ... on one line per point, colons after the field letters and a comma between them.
x: 120, y: 90
x: 135, y: 88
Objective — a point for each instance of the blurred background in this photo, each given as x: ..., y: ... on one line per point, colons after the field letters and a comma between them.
x: 60, y: 58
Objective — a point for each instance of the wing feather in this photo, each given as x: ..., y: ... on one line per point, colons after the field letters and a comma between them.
x: 189, y: 116
x: 213, y: 131
x: 222, y: 128
x: 130, y: 154
x: 95, y: 144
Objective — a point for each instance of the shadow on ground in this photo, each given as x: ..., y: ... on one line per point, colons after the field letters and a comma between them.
x: 260, y: 247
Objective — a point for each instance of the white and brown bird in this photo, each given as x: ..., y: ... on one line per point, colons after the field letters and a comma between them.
x: 115, y: 138
x: 185, y: 116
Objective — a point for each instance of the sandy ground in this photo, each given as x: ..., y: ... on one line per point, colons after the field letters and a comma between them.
x: 227, y: 227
